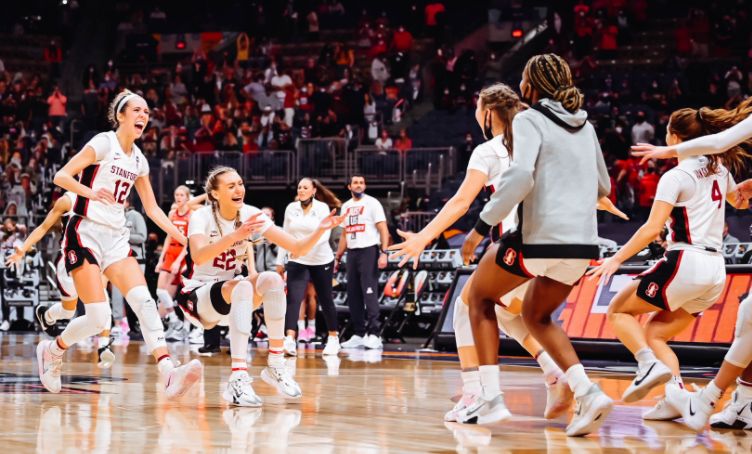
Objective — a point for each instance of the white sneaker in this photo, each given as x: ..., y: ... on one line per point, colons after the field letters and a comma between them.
x: 592, y: 409
x: 332, y: 346
x: 662, y: 411
x: 693, y: 406
x: 5, y: 326
x: 196, y: 337
x: 737, y: 414
x: 647, y: 378
x: 558, y: 398
x: 50, y: 367
x: 181, y: 378
x: 482, y: 411
x: 465, y: 401
x: 289, y: 346
x: 354, y: 342
x: 373, y: 342
x: 106, y: 358
x: 240, y: 392
x: 281, y: 379
x: 176, y: 332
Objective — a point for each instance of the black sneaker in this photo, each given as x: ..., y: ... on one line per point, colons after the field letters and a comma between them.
x: 49, y: 329
x: 208, y: 350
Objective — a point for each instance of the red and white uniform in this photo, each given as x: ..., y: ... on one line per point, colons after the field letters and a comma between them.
x: 692, y: 274
x: 203, y: 283
x: 492, y: 158
x: 180, y: 221
x: 64, y: 280
x: 97, y: 230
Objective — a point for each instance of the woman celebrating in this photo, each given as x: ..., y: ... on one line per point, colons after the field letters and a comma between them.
x: 302, y: 218
x: 691, y: 277
x: 213, y: 293
x: 557, y: 175
x: 96, y: 242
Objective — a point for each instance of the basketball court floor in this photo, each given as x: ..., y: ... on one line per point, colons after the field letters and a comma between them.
x: 361, y: 402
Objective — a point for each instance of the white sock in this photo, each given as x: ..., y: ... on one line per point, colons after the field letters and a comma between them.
x: 578, y: 380
x: 239, y: 365
x: 712, y: 393
x: 301, y: 326
x: 172, y: 317
x: 276, y: 357
x: 56, y: 349
x: 489, y: 381
x: 165, y: 365
x: 57, y: 312
x: 548, y: 365
x: 744, y: 390
x: 677, y: 380
x: 645, y: 357
x: 311, y: 324
x: 471, y: 382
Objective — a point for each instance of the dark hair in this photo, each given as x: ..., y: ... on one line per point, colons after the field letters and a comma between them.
x: 355, y: 175
x: 502, y: 100
x: 550, y: 76
x: 324, y: 194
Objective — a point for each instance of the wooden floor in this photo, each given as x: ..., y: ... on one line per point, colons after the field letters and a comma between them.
x: 364, y: 402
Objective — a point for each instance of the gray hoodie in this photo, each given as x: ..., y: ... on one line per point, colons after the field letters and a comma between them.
x: 557, y: 176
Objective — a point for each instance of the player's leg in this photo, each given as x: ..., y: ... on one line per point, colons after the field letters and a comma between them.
x: 321, y: 276
x: 297, y: 280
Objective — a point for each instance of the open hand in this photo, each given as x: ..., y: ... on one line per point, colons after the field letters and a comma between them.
x: 331, y: 221
x: 411, y: 248
x: 14, y: 258
x: 606, y: 269
x: 605, y: 204
x: 104, y: 196
x: 649, y: 151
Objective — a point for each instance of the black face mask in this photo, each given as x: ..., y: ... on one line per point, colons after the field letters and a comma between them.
x: 487, y: 129
x: 307, y: 203
x: 526, y: 97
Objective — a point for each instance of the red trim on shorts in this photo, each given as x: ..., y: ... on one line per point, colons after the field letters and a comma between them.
x: 522, y: 264
x: 235, y: 369
x: 670, y: 279
x: 165, y: 356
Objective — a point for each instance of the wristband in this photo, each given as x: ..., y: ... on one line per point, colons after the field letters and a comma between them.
x: 481, y: 227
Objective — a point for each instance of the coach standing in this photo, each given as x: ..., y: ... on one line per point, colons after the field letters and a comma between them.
x: 365, y: 238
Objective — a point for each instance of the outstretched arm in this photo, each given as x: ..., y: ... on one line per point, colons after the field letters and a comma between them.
x: 61, y: 206
x: 300, y: 247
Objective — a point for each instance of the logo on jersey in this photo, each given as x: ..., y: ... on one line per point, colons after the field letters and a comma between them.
x: 509, y: 256
x: 72, y: 257
x: 652, y: 290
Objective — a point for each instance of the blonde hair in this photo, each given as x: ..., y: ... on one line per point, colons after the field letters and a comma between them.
x: 111, y: 110
x: 502, y: 100
x: 183, y: 188
x: 688, y: 124
x: 212, y: 184
x: 550, y: 76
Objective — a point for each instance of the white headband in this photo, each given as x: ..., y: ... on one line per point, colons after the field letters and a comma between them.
x: 125, y: 99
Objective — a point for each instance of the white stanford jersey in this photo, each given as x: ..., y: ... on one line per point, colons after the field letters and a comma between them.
x: 114, y: 171
x: 226, y: 265
x: 699, y: 220
x: 492, y: 159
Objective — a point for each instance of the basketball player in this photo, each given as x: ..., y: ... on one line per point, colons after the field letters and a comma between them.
x: 66, y: 308
x: 690, y: 278
x: 726, y: 129
x: 219, y: 241
x: 171, y: 261
x: 557, y: 175
x: 496, y: 108
x: 96, y: 242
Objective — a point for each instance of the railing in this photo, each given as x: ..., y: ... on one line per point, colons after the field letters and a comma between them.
x: 414, y: 221
x: 325, y: 159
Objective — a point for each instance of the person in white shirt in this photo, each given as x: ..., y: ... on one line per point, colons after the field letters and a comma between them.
x: 384, y: 142
x: 365, y: 238
x: 642, y: 131
x: 302, y: 217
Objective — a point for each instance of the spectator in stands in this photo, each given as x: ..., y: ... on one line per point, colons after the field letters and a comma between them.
x: 642, y: 131
x: 384, y: 142
x: 365, y: 239
x: 403, y: 143
x: 57, y: 103
x: 727, y: 237
x: 647, y: 190
x: 53, y: 55
x: 379, y: 71
x: 402, y: 40
x: 242, y: 49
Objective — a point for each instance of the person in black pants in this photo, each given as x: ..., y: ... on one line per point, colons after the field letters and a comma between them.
x: 302, y: 217
x: 365, y: 239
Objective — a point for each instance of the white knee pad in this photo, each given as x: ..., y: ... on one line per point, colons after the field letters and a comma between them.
x: 96, y: 320
x: 145, y: 308
x: 511, y: 324
x: 241, y: 307
x: 740, y: 352
x: 271, y: 287
x: 99, y: 316
x: 463, y: 332
x: 164, y: 297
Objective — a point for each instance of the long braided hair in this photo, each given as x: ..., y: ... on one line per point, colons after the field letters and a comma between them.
x: 502, y: 100
x: 550, y: 76
x: 212, y: 184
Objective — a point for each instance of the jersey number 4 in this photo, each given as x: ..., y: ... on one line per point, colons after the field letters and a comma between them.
x: 715, y: 194
x: 225, y: 261
x: 121, y: 191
